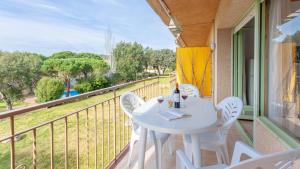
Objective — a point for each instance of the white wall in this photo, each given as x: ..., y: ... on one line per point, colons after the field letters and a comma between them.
x: 222, y: 64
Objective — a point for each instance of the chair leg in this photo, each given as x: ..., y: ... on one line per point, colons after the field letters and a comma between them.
x: 170, y: 143
x: 159, y: 153
x: 225, y: 153
x: 132, y: 142
x: 157, y: 148
x: 188, y: 146
x: 179, y: 164
x: 219, y: 156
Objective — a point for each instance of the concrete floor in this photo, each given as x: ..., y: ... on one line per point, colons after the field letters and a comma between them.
x: 169, y: 161
x: 248, y: 126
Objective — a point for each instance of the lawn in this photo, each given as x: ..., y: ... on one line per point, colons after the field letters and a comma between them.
x: 107, y: 122
x: 16, y: 104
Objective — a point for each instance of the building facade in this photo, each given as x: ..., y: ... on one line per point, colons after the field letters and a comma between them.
x: 256, y: 56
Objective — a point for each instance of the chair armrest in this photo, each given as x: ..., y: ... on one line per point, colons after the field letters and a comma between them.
x: 242, y: 148
x: 182, y: 161
x: 218, y: 108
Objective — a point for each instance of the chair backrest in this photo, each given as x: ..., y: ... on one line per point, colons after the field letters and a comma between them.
x: 231, y: 108
x: 189, y: 89
x: 130, y: 101
x: 281, y: 160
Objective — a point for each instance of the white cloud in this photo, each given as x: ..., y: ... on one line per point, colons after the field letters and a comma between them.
x: 47, y: 6
x: 111, y: 2
x: 46, y: 37
x: 49, y: 26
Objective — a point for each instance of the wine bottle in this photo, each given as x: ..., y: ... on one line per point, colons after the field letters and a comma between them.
x: 176, y: 96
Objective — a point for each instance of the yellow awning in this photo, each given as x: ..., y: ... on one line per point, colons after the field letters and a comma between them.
x: 193, y: 66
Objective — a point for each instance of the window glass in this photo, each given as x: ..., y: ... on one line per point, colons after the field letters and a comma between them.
x: 284, y: 64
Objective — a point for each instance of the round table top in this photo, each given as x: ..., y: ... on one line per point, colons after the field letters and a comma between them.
x: 201, y: 116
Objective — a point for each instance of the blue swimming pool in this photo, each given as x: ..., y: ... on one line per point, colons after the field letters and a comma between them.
x: 72, y: 93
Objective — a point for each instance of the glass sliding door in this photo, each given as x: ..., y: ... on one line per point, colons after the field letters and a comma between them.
x: 283, y: 65
x: 243, y: 66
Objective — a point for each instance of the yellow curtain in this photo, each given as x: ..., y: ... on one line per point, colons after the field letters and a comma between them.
x: 193, y: 66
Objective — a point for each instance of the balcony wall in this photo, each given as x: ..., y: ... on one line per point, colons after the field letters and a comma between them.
x: 223, y: 65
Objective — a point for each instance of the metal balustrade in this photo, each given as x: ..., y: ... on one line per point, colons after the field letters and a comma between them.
x: 172, y: 80
x: 96, y: 136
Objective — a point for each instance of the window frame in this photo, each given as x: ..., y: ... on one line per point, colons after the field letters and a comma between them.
x: 259, y: 114
x: 284, y: 137
x: 252, y: 12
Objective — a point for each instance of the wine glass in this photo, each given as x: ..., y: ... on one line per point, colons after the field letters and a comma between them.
x: 160, y: 99
x: 184, y: 96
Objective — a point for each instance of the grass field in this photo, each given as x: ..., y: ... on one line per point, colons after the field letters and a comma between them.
x: 16, y: 104
x: 106, y: 123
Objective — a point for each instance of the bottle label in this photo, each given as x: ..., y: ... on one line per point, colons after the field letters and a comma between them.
x: 176, y: 97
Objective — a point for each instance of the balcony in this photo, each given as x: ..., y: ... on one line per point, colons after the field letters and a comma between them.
x: 47, y: 136
x: 94, y: 136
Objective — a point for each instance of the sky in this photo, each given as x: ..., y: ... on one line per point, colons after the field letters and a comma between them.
x: 48, y: 26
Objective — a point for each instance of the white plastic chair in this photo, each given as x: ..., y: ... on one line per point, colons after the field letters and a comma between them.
x: 189, y: 89
x: 281, y: 160
x: 130, y: 101
x: 216, y: 138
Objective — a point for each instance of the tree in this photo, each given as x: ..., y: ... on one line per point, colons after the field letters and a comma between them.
x: 129, y: 58
x: 155, y: 60
x: 49, y: 89
x: 15, y: 73
x: 88, y: 62
x: 162, y: 59
x: 67, y: 65
x: 63, y: 68
x: 148, y: 53
x: 109, y: 43
x: 34, y: 62
x: 100, y: 67
x: 168, y: 59
x: 63, y: 55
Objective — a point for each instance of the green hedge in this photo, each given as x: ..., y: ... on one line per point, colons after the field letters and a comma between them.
x: 91, y: 83
x: 48, y: 89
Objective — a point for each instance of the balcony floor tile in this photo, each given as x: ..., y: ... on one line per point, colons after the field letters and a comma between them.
x: 208, y: 157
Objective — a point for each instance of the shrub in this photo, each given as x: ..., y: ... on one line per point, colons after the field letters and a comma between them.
x: 48, y: 89
x: 83, y: 86
x: 99, y: 82
x: 116, y: 78
x: 91, y: 83
x: 146, y: 75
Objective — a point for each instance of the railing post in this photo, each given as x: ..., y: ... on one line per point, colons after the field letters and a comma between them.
x: 108, y: 138
x: 115, y: 120
x: 52, y: 145
x: 34, y: 149
x: 120, y: 122
x: 124, y: 125
x: 77, y: 140
x: 66, y: 142
x: 144, y: 89
x: 170, y: 82
x: 12, y: 143
x: 96, y: 138
x: 87, y: 138
x: 102, y: 120
x: 158, y: 85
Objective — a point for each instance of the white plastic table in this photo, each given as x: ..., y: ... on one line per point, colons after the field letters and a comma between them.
x: 202, y: 116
